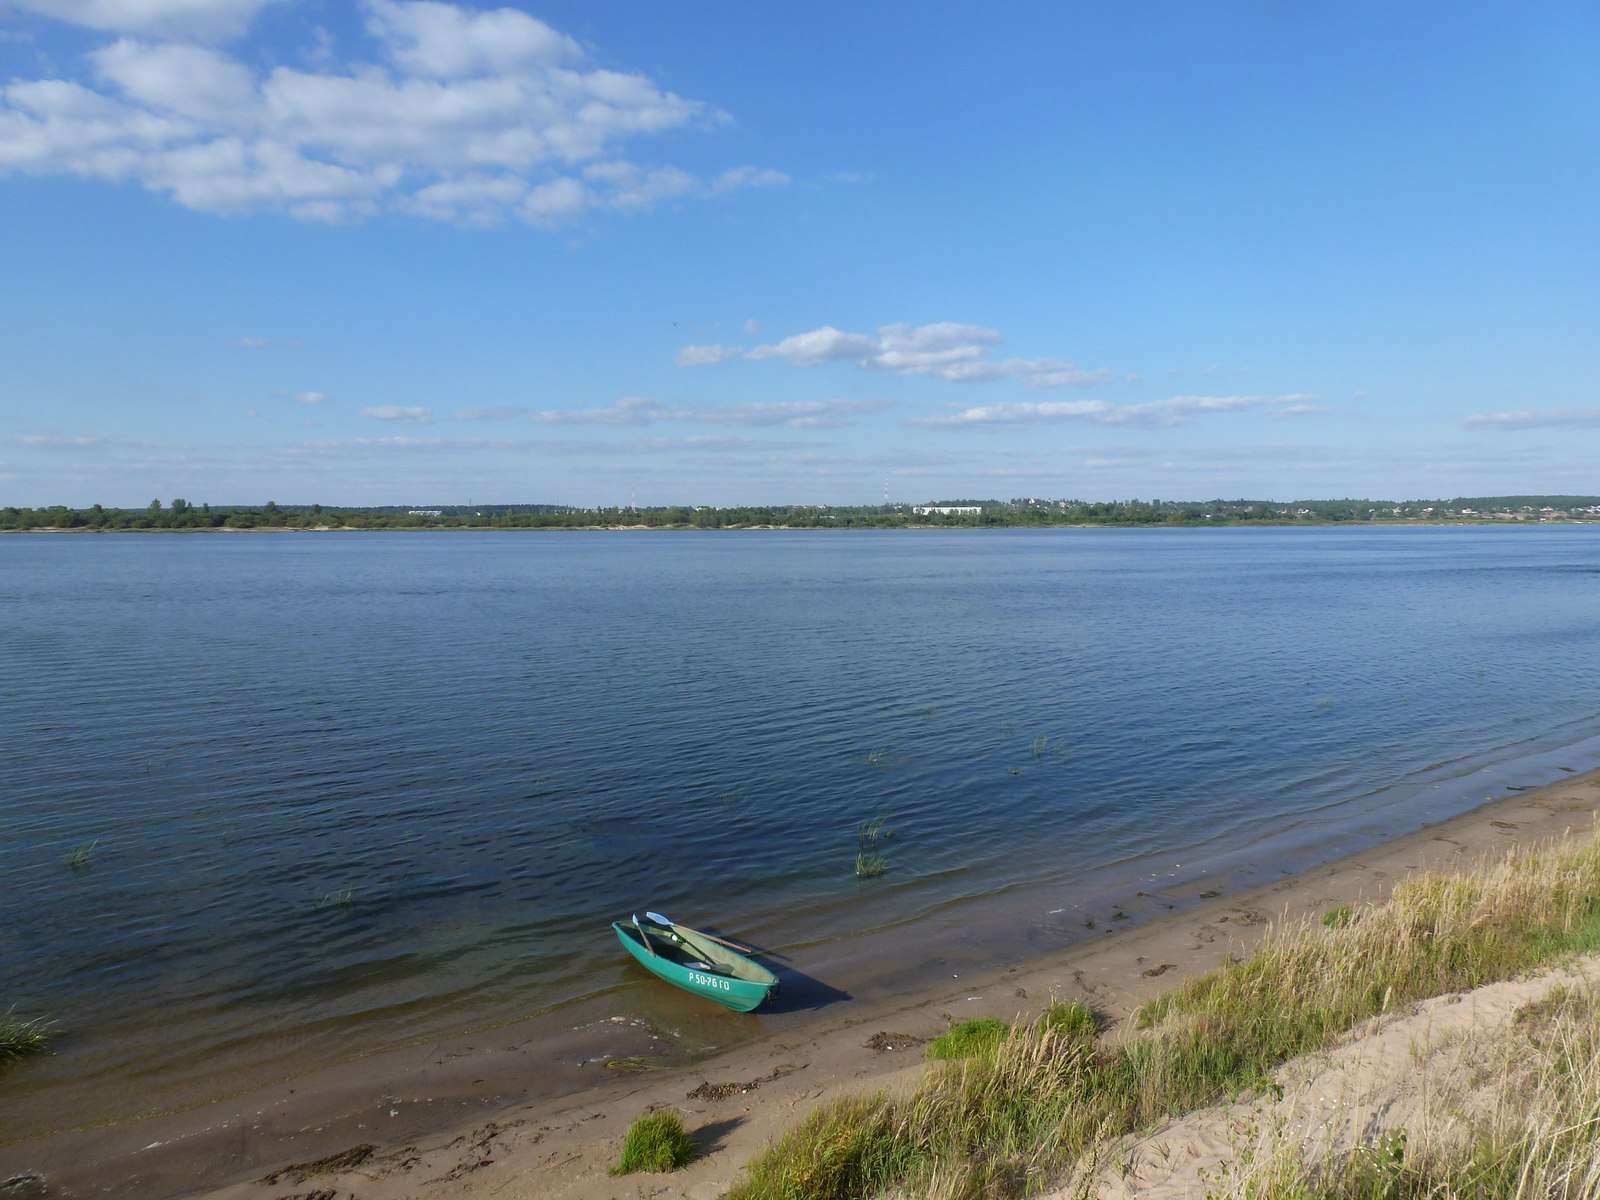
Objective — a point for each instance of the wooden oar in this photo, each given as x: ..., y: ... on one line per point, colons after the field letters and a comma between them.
x: 660, y: 920
x: 642, y: 933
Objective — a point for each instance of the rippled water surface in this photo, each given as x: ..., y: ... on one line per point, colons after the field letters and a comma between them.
x: 335, y: 792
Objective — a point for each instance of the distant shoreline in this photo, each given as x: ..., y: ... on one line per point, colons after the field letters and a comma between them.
x: 1025, y: 513
x: 907, y: 527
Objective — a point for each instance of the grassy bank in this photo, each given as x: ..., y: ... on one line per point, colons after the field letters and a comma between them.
x: 1049, y: 1099
x: 1535, y: 1136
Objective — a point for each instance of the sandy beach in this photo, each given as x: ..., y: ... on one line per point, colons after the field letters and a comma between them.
x: 456, y: 1118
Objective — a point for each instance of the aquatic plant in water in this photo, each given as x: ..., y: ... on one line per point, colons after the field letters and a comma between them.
x: 1044, y: 748
x: 80, y: 858
x: 343, y: 900
x: 19, y: 1037
x: 869, y: 863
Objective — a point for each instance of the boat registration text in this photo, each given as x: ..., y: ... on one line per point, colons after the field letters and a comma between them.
x: 709, y: 981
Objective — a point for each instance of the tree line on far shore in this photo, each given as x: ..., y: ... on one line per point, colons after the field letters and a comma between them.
x: 1028, y: 512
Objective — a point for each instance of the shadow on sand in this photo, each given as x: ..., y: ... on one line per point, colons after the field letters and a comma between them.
x: 708, y: 1138
x: 799, y: 992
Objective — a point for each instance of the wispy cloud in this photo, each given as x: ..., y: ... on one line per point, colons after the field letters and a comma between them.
x: 705, y: 356
x: 629, y: 410
x: 1556, y: 418
x: 203, y: 20
x: 405, y: 415
x: 796, y: 414
x: 311, y: 398
x: 944, y: 350
x: 70, y: 441
x: 467, y: 115
x: 489, y: 414
x: 1174, y: 411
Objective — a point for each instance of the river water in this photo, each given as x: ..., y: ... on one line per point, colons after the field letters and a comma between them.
x: 274, y: 800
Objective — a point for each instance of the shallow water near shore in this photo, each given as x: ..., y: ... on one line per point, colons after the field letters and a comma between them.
x: 278, y: 801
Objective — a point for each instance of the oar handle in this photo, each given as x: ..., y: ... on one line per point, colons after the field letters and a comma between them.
x: 726, y: 942
x: 660, y: 920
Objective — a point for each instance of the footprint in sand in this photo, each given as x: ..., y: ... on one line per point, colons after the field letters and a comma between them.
x: 1161, y: 970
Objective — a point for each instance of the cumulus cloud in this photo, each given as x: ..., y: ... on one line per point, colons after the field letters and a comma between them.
x: 1560, y: 418
x: 311, y: 398
x: 1177, y: 410
x: 470, y: 116
x: 945, y: 350
x: 405, y: 415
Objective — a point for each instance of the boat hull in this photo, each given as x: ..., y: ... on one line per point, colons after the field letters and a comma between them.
x: 687, y: 959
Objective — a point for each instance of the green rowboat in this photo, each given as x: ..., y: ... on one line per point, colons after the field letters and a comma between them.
x: 696, y: 962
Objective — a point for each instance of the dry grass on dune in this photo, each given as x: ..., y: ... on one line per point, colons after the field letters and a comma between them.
x: 1049, y: 1098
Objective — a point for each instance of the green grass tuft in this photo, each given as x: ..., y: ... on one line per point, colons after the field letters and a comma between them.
x: 966, y: 1038
x: 1069, y: 1019
x: 1338, y: 918
x: 20, y: 1037
x: 655, y: 1142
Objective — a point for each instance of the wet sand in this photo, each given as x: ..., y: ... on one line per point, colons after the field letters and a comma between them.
x: 523, y: 1112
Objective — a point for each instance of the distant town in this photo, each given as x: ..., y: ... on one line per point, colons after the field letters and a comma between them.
x: 1025, y: 512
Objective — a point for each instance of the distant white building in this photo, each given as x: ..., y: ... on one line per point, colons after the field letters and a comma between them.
x: 947, y: 510
x: 425, y: 512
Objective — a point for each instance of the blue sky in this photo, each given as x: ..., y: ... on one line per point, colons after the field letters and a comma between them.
x: 394, y: 252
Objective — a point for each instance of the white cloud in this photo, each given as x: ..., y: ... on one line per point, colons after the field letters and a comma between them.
x: 819, y: 346
x: 489, y: 414
x: 1177, y: 410
x: 394, y: 412
x: 447, y: 42
x: 796, y: 414
x: 311, y: 398
x: 71, y: 441
x: 188, y: 81
x: 629, y: 410
x: 945, y: 350
x: 471, y: 116
x: 554, y: 203
x: 704, y: 356
x: 250, y: 343
x: 201, y: 19
x: 736, y: 178
x: 1568, y: 418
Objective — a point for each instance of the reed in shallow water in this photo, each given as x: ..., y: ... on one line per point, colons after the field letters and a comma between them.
x: 19, y: 1036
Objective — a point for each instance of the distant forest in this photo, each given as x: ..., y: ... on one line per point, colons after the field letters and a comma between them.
x: 1028, y: 512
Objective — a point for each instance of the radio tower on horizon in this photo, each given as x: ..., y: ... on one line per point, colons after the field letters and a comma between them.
x: 886, y: 493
